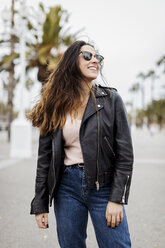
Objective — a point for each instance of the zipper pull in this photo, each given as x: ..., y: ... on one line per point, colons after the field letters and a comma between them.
x: 123, y: 199
x: 125, y: 188
x: 97, y: 185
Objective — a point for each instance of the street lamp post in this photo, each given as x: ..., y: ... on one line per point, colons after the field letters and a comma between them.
x: 21, y: 133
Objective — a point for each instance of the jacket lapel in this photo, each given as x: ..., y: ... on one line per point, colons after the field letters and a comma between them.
x: 92, y: 107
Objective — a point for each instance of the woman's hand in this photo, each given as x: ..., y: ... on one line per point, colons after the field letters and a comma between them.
x: 42, y: 220
x: 114, y: 214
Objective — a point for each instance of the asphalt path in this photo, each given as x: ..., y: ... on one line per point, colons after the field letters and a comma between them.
x: 145, y: 211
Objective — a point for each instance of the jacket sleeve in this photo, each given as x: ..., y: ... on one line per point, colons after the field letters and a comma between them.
x: 124, y: 154
x: 40, y: 203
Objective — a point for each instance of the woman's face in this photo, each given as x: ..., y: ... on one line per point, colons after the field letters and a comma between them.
x: 89, y: 69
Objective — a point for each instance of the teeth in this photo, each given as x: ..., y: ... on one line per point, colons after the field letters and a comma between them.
x: 93, y: 68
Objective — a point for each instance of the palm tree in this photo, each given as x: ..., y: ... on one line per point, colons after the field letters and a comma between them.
x: 161, y: 61
x: 46, y: 54
x: 151, y: 74
x: 134, y: 89
x: 43, y: 52
x: 142, y: 76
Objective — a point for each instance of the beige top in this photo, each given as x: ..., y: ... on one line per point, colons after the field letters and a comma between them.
x: 72, y: 148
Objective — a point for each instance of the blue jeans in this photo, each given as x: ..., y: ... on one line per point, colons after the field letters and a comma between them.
x: 71, y: 205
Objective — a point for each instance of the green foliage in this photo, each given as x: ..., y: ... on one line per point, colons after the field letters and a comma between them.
x: 7, y: 60
x: 3, y: 109
x: 43, y: 51
x: 161, y: 61
x: 30, y: 26
x: 42, y: 7
x: 154, y: 113
x: 52, y: 27
x: 46, y: 53
x: 135, y: 87
x: 29, y: 83
x: 140, y: 116
x: 141, y: 75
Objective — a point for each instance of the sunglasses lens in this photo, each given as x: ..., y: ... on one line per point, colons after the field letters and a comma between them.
x: 99, y: 58
x: 87, y: 55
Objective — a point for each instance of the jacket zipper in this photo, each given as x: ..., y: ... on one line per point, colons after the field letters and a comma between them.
x: 98, y: 148
x: 125, y: 188
x: 54, y: 174
x: 110, y: 147
x: 81, y: 145
x: 97, y: 162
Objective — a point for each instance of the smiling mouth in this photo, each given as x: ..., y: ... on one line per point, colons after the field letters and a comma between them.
x: 92, y: 68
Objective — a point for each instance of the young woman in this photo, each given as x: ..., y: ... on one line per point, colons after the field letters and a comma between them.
x: 85, y: 153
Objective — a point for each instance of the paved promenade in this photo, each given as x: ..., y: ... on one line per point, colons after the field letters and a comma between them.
x: 145, y: 212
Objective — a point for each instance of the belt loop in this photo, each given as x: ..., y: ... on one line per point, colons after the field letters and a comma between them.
x: 80, y: 165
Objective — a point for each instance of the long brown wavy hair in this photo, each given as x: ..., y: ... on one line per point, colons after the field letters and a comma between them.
x: 61, y: 94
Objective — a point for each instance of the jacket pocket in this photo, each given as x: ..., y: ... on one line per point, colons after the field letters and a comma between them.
x: 109, y: 145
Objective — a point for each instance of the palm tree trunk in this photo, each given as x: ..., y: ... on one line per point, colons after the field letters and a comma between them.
x: 11, y: 74
x: 152, y: 89
x: 142, y: 96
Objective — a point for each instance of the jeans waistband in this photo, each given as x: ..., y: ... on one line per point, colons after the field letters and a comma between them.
x: 80, y: 165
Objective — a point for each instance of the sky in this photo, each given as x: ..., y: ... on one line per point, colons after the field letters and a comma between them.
x: 130, y: 34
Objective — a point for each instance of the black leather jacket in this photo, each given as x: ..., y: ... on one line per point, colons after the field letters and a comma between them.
x: 106, y: 147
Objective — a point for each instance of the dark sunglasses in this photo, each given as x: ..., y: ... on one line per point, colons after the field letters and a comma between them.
x: 88, y: 56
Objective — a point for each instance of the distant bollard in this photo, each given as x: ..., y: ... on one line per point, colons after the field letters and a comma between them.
x: 21, y: 139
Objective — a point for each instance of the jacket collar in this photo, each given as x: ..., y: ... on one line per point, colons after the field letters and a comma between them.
x: 99, y: 90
